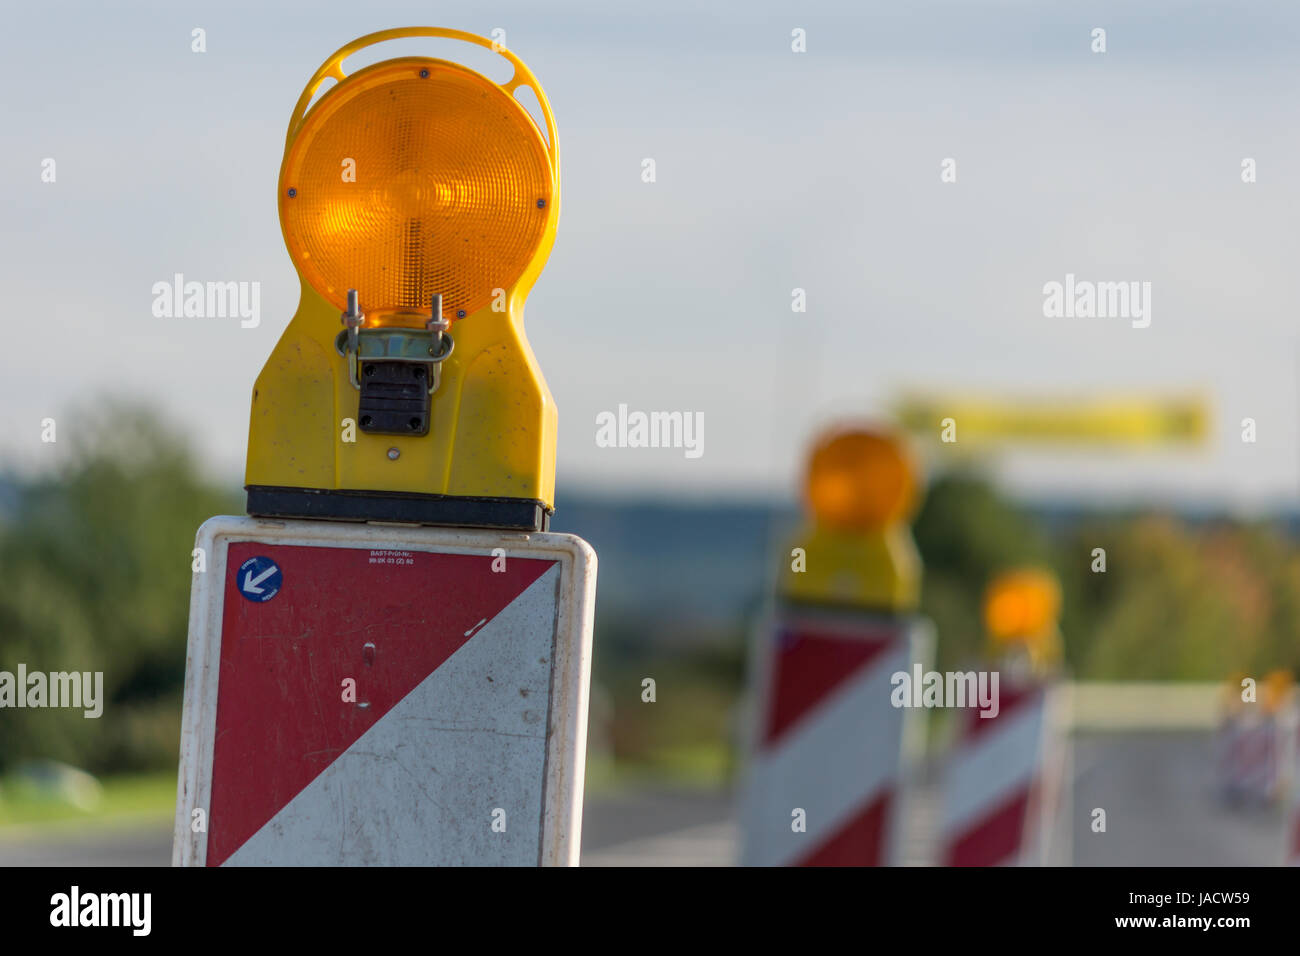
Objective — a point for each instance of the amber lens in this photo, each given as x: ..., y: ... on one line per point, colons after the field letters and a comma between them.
x: 860, y: 480
x: 1022, y: 604
x: 1277, y: 689
x: 415, y: 177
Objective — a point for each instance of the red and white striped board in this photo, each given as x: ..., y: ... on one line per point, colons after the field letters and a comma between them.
x: 827, y: 740
x: 1002, y: 786
x: 1250, y: 758
x: 1293, y: 835
x: 1289, y: 720
x: 462, y: 739
x: 1293, y: 819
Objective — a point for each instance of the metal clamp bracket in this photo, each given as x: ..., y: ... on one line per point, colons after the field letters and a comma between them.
x: 395, y: 369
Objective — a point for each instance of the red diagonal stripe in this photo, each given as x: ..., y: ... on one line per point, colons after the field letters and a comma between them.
x: 281, y: 719
x: 807, y: 666
x: 994, y: 839
x: 860, y: 841
x: 1011, y: 699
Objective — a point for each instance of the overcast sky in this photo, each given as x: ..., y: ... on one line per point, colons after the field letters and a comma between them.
x: 775, y: 170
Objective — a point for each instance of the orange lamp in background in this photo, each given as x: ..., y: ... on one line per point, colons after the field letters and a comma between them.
x: 1021, y: 611
x: 828, y: 738
x: 861, y: 489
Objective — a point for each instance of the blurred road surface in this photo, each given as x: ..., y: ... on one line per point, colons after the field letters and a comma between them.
x: 1158, y: 792
x: 1156, y: 787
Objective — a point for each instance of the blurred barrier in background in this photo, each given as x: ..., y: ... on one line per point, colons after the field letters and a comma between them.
x: 1003, y: 783
x: 1292, y: 845
x: 1255, y: 741
x: 826, y: 754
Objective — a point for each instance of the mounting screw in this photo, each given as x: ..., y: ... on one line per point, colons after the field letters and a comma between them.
x: 292, y: 192
x: 460, y: 313
x: 394, y: 454
x: 541, y: 204
x: 424, y: 74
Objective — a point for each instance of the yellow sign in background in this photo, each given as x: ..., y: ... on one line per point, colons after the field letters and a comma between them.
x: 1131, y: 420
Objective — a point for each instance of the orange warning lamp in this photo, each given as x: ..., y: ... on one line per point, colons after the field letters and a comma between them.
x: 416, y: 177
x: 1277, y: 690
x: 1022, y: 606
x: 861, y: 487
x: 419, y: 200
x: 860, y: 480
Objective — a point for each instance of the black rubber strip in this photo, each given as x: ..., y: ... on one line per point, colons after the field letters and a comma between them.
x: 457, y: 511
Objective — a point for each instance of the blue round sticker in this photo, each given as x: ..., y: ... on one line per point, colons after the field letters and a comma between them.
x: 258, y: 579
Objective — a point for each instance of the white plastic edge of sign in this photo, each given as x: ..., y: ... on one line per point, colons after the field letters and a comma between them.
x: 566, y: 745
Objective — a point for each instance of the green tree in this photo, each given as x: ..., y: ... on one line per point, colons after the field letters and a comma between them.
x: 966, y: 533
x: 98, y: 559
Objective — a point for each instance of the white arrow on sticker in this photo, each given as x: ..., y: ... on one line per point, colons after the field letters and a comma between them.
x: 251, y: 583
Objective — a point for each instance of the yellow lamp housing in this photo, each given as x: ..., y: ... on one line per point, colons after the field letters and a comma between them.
x: 861, y: 487
x: 418, y: 201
